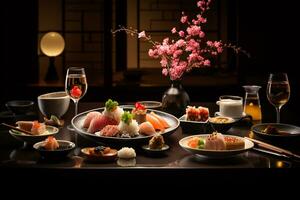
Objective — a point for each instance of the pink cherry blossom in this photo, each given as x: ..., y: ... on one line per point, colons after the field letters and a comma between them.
x: 201, y: 34
x: 193, y: 30
x: 191, y: 49
x: 164, y: 62
x: 181, y: 33
x: 206, y: 63
x: 180, y: 43
x: 142, y: 34
x: 183, y: 19
x: 173, y: 30
x: 165, y: 71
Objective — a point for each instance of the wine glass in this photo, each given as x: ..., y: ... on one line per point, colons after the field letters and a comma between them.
x: 278, y: 91
x: 75, y: 86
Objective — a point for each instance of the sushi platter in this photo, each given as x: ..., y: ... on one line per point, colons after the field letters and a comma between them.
x: 79, y: 122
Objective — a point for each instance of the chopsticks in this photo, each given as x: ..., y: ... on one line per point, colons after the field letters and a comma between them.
x: 273, y: 148
x: 17, y: 129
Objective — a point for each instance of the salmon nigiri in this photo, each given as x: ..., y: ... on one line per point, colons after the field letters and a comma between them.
x: 155, y: 122
x: 160, y: 119
x: 146, y: 128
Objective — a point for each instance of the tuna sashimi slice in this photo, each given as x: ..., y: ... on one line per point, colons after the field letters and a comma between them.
x: 99, y: 122
x: 89, y: 118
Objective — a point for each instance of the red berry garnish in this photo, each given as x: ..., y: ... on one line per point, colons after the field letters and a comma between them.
x: 76, y: 92
x: 139, y: 106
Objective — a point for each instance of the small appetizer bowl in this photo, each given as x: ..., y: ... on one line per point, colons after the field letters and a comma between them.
x: 192, y: 126
x: 107, y: 157
x: 221, y: 124
x: 65, y: 147
x: 20, y: 107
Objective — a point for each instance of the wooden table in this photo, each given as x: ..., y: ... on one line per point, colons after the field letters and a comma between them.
x: 19, y: 161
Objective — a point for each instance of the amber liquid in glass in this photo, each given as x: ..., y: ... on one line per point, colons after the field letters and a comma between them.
x: 278, y: 93
x: 252, y: 107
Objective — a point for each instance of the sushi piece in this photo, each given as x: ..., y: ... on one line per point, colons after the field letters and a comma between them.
x: 156, y: 142
x: 200, y: 114
x: 155, y: 122
x: 51, y: 144
x: 233, y: 143
x: 110, y: 131
x: 146, y: 128
x: 160, y: 119
x: 113, y: 111
x: 38, y: 128
x: 215, y: 141
x: 99, y: 122
x: 25, y: 125
x: 89, y: 118
x: 128, y: 126
x: 139, y: 113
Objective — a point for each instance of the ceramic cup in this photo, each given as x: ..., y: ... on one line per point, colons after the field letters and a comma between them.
x: 55, y: 103
x: 230, y: 106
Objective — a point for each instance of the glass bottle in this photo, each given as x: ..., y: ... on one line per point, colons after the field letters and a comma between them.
x: 252, y: 103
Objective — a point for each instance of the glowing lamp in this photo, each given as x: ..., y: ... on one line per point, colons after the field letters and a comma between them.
x: 52, y: 44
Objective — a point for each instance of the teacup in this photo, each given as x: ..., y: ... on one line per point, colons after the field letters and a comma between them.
x: 230, y: 106
x: 55, y: 103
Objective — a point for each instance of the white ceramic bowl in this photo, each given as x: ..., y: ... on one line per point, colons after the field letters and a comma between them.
x: 55, y: 103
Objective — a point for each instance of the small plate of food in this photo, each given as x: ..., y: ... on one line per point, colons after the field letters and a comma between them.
x: 35, y: 131
x: 195, y: 119
x: 276, y: 130
x: 221, y: 124
x: 215, y: 145
x: 156, y: 145
x: 99, y: 154
x: 54, y: 149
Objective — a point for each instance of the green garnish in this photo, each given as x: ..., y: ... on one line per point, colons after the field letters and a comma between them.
x: 126, y: 117
x: 111, y: 105
x: 55, y: 120
x: 201, y: 143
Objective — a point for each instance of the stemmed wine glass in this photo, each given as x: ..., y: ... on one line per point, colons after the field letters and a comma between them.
x: 278, y: 91
x: 75, y: 86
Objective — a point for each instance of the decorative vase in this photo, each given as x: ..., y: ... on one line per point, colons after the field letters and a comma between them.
x: 175, y: 99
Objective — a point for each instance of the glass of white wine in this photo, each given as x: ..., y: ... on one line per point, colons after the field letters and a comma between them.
x: 75, y: 86
x: 278, y: 91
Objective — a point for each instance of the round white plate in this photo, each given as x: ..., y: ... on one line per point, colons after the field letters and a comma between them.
x: 215, y: 153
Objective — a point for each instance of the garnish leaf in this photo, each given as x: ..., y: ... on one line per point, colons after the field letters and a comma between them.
x: 111, y: 105
x: 126, y: 117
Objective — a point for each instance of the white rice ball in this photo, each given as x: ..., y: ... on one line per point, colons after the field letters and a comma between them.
x: 126, y: 153
x: 131, y: 129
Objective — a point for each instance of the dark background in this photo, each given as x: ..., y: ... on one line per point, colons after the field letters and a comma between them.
x: 268, y: 30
